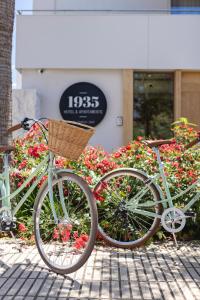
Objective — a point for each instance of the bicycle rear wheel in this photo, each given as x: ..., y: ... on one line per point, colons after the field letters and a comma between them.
x: 127, y: 219
x: 66, y: 243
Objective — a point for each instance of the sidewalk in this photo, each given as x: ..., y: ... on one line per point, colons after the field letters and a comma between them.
x: 157, y: 272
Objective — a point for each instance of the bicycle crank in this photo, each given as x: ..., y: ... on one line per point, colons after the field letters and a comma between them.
x: 173, y: 220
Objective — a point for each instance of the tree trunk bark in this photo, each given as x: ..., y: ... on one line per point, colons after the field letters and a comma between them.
x: 7, y: 8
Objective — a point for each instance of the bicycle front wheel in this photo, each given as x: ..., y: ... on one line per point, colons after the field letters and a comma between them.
x: 128, y: 208
x: 65, y: 230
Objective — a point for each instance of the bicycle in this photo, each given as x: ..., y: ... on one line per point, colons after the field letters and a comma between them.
x: 65, y: 214
x: 133, y: 204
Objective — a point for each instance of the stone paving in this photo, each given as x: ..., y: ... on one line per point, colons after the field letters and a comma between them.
x: 156, y: 272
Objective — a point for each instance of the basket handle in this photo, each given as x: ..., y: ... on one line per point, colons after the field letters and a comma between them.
x: 84, y: 126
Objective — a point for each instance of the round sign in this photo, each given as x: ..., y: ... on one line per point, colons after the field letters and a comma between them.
x: 83, y: 102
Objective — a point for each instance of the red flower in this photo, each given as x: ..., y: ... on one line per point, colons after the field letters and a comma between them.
x: 69, y: 227
x: 44, y: 178
x: 22, y: 227
x: 17, y: 174
x: 102, y: 187
x: 55, y: 234
x: 88, y: 179
x: 84, y: 237
x: 43, y: 147
x: 105, y: 162
x: 66, y: 192
x: 65, y: 235
x: 66, y: 232
x: 19, y: 184
x: 117, y: 154
x: 33, y: 151
x: 191, y: 173
x: 22, y: 165
x: 37, y: 149
x: 75, y: 235
x: 128, y: 147
x: 60, y: 162
x: 175, y: 164
x: 79, y: 243
x: 98, y: 197
x: 123, y: 149
x: 190, y: 129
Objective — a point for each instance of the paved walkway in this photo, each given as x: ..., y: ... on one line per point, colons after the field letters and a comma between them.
x: 158, y: 272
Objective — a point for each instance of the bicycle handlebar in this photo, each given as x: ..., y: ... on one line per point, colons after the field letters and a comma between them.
x: 15, y: 127
x: 24, y: 124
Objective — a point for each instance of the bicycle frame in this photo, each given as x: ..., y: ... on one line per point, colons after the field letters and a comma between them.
x: 170, y: 199
x: 6, y: 196
x: 134, y: 204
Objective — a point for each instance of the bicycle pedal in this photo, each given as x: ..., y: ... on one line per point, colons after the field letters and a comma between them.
x: 191, y: 214
x: 7, y: 226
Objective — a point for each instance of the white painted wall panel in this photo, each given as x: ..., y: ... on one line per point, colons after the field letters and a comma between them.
x: 108, y: 42
x: 81, y: 41
x: 44, y: 4
x: 174, y: 42
x: 101, y: 4
x: 52, y: 83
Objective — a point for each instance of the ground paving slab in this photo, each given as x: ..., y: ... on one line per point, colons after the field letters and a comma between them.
x: 159, y: 271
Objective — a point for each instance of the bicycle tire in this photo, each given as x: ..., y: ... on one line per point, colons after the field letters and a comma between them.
x: 70, y: 179
x: 106, y: 205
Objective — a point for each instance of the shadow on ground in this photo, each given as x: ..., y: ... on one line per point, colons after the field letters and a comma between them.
x: 155, y: 272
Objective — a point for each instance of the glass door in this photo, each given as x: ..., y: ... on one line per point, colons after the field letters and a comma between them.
x: 153, y: 104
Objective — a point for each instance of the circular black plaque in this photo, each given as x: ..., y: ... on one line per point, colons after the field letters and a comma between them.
x: 83, y: 102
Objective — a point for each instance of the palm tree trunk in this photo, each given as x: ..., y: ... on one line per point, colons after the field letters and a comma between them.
x: 7, y: 8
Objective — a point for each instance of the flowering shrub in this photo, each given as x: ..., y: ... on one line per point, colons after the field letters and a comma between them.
x: 64, y: 233
x: 181, y: 167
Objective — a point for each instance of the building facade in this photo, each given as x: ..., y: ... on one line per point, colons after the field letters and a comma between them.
x: 128, y: 67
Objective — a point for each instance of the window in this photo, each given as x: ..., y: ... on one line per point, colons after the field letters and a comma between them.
x: 186, y: 3
x: 185, y: 6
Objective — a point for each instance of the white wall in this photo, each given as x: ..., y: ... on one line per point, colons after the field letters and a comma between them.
x: 108, y: 41
x: 44, y: 4
x: 101, y: 4
x: 174, y: 42
x: 52, y: 83
x: 25, y: 103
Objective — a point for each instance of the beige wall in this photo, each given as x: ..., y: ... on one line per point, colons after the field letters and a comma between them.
x: 187, y: 96
x: 190, y: 96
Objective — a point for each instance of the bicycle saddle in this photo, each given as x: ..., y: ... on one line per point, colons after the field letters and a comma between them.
x: 6, y: 149
x: 156, y: 143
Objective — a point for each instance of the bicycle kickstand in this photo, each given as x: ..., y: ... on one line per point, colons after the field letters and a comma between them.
x: 175, y: 240
x: 18, y: 246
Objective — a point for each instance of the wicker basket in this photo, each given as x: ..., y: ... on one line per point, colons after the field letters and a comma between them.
x: 67, y: 138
